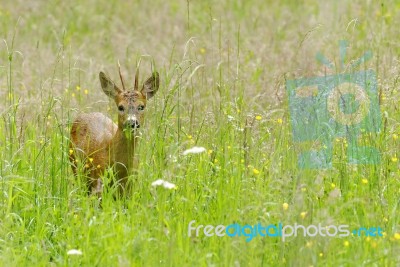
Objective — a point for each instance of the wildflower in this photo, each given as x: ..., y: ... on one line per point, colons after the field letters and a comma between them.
x: 397, y: 236
x: 78, y: 88
x: 364, y: 181
x: 71, y: 151
x: 73, y: 94
x: 86, y: 91
x: 321, y: 254
x: 309, y: 244
x: 280, y: 121
x: 91, y: 160
x: 333, y: 185
x: 202, y: 50
x: 163, y: 183
x: 346, y: 243
x: 258, y: 117
x: 303, y: 189
x: 74, y: 252
x: 189, y: 136
x: 303, y: 214
x: 209, y: 152
x: 215, y: 160
x: 194, y: 150
x: 285, y: 206
x: 394, y: 159
x: 395, y: 136
x: 255, y: 171
x: 98, y: 166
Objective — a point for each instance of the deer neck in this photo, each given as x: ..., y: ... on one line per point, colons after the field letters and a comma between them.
x: 124, y: 146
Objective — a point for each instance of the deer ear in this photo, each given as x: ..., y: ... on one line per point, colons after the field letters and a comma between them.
x: 150, y: 87
x: 108, y: 86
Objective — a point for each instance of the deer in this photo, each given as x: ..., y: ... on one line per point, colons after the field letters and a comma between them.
x: 97, y: 143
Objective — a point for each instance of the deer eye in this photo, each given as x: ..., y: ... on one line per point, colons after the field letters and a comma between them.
x: 121, y: 108
x: 141, y: 107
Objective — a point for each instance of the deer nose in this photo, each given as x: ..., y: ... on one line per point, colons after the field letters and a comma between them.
x: 132, y: 123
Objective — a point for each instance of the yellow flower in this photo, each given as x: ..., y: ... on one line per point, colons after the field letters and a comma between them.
x: 228, y: 147
x: 86, y: 91
x: 98, y: 166
x: 333, y: 185
x: 258, y: 117
x: 209, y: 151
x: 91, y: 160
x: 285, y: 206
x: 395, y: 136
x: 86, y: 165
x: 78, y: 88
x: 280, y: 121
x: 242, y: 161
x: 368, y: 239
x: 255, y: 171
x: 202, y: 50
x: 309, y: 244
x: 394, y: 159
x: 364, y: 181
x: 303, y: 214
x: 321, y: 254
x: 303, y: 189
x: 71, y: 151
x: 215, y: 160
x: 189, y: 136
x: 73, y: 94
x: 346, y: 243
x: 397, y: 236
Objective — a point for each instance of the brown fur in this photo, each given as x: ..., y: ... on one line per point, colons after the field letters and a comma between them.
x: 98, y: 143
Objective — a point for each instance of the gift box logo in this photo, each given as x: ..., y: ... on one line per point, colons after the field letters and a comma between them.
x: 343, y: 105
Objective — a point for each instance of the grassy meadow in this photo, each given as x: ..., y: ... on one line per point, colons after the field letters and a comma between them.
x: 223, y: 67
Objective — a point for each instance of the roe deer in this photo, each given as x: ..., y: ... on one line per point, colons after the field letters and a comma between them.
x: 99, y: 143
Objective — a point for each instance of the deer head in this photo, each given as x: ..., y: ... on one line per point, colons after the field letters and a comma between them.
x: 131, y: 103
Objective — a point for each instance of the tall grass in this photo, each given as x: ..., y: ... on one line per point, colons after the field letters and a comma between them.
x: 223, y: 67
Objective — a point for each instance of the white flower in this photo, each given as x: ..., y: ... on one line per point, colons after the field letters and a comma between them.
x: 194, y: 150
x: 74, y: 252
x: 165, y: 184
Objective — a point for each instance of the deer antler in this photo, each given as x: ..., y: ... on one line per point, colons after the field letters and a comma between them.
x: 137, y: 75
x: 120, y: 76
